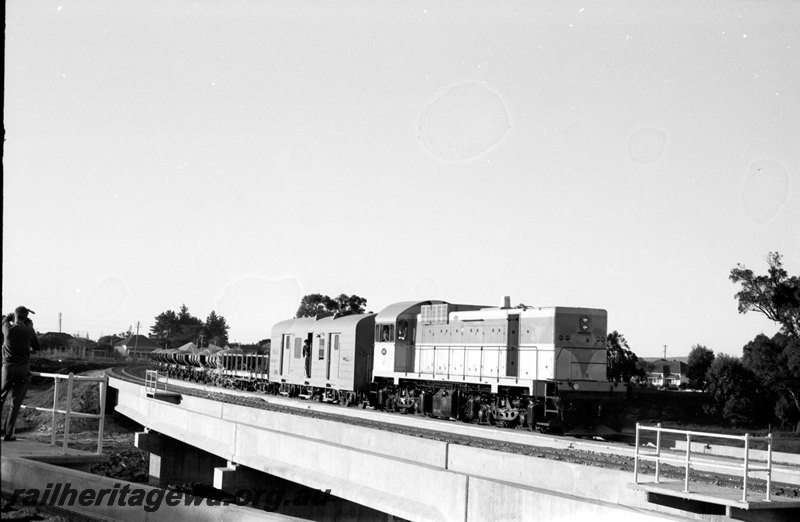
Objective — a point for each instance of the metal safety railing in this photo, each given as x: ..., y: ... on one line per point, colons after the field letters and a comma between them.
x: 151, y: 380
x: 67, y: 411
x: 686, y: 460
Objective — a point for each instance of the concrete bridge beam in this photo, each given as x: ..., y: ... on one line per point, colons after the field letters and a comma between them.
x: 175, y: 461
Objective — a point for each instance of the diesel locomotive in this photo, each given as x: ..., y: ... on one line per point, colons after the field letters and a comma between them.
x: 541, y: 368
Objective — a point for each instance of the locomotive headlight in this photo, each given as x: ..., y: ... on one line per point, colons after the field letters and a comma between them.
x: 585, y: 324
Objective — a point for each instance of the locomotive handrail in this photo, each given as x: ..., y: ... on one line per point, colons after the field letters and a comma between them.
x: 745, y: 467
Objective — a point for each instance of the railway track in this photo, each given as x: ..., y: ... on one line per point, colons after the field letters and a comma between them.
x: 603, y: 454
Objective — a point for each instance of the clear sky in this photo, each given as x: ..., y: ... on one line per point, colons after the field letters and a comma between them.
x: 234, y: 156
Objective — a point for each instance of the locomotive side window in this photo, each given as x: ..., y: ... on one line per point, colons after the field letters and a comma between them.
x: 402, y: 330
x: 298, y: 347
x: 321, y: 348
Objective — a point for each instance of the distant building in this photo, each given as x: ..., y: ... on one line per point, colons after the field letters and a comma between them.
x: 58, y: 345
x: 135, y: 347
x: 667, y: 374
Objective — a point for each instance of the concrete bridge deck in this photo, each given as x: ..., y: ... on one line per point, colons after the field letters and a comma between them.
x: 407, y: 477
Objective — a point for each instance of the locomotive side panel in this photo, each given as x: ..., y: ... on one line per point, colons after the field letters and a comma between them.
x: 472, y: 361
x: 457, y: 356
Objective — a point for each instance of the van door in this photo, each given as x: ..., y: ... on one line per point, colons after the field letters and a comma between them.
x: 333, y: 356
x: 286, y: 345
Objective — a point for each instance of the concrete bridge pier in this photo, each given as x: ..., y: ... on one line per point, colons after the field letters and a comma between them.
x: 174, y: 461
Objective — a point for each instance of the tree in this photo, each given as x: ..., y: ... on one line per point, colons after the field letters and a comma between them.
x: 178, y: 329
x: 623, y: 364
x: 735, y: 392
x: 776, y: 363
x: 185, y: 318
x: 216, y: 329
x: 55, y: 341
x: 776, y: 295
x: 166, y: 324
x: 313, y: 304
x: 700, y: 359
x: 351, y: 303
x: 107, y: 342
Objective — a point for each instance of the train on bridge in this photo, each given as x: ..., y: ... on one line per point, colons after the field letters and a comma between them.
x: 532, y: 367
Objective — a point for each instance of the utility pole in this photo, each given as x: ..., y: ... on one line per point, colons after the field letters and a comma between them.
x: 59, y: 322
x: 665, y: 352
x: 136, y: 342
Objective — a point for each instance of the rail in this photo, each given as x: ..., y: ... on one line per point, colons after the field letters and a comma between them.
x: 67, y: 411
x: 745, y: 467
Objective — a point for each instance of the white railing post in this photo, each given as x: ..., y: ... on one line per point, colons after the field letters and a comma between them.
x: 688, y: 459
x: 746, y: 465
x: 55, y: 407
x: 658, y: 451
x: 68, y: 409
x: 769, y: 467
x: 636, y: 457
x: 103, y: 389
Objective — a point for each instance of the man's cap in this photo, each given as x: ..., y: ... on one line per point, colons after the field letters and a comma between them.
x: 24, y: 311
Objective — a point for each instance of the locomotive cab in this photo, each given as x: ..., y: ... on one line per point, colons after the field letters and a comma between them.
x: 395, y: 330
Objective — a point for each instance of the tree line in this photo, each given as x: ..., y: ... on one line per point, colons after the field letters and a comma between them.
x: 763, y: 385
x: 182, y: 327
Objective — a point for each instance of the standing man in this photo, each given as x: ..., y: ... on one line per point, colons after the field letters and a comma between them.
x: 307, y: 355
x: 19, y: 338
